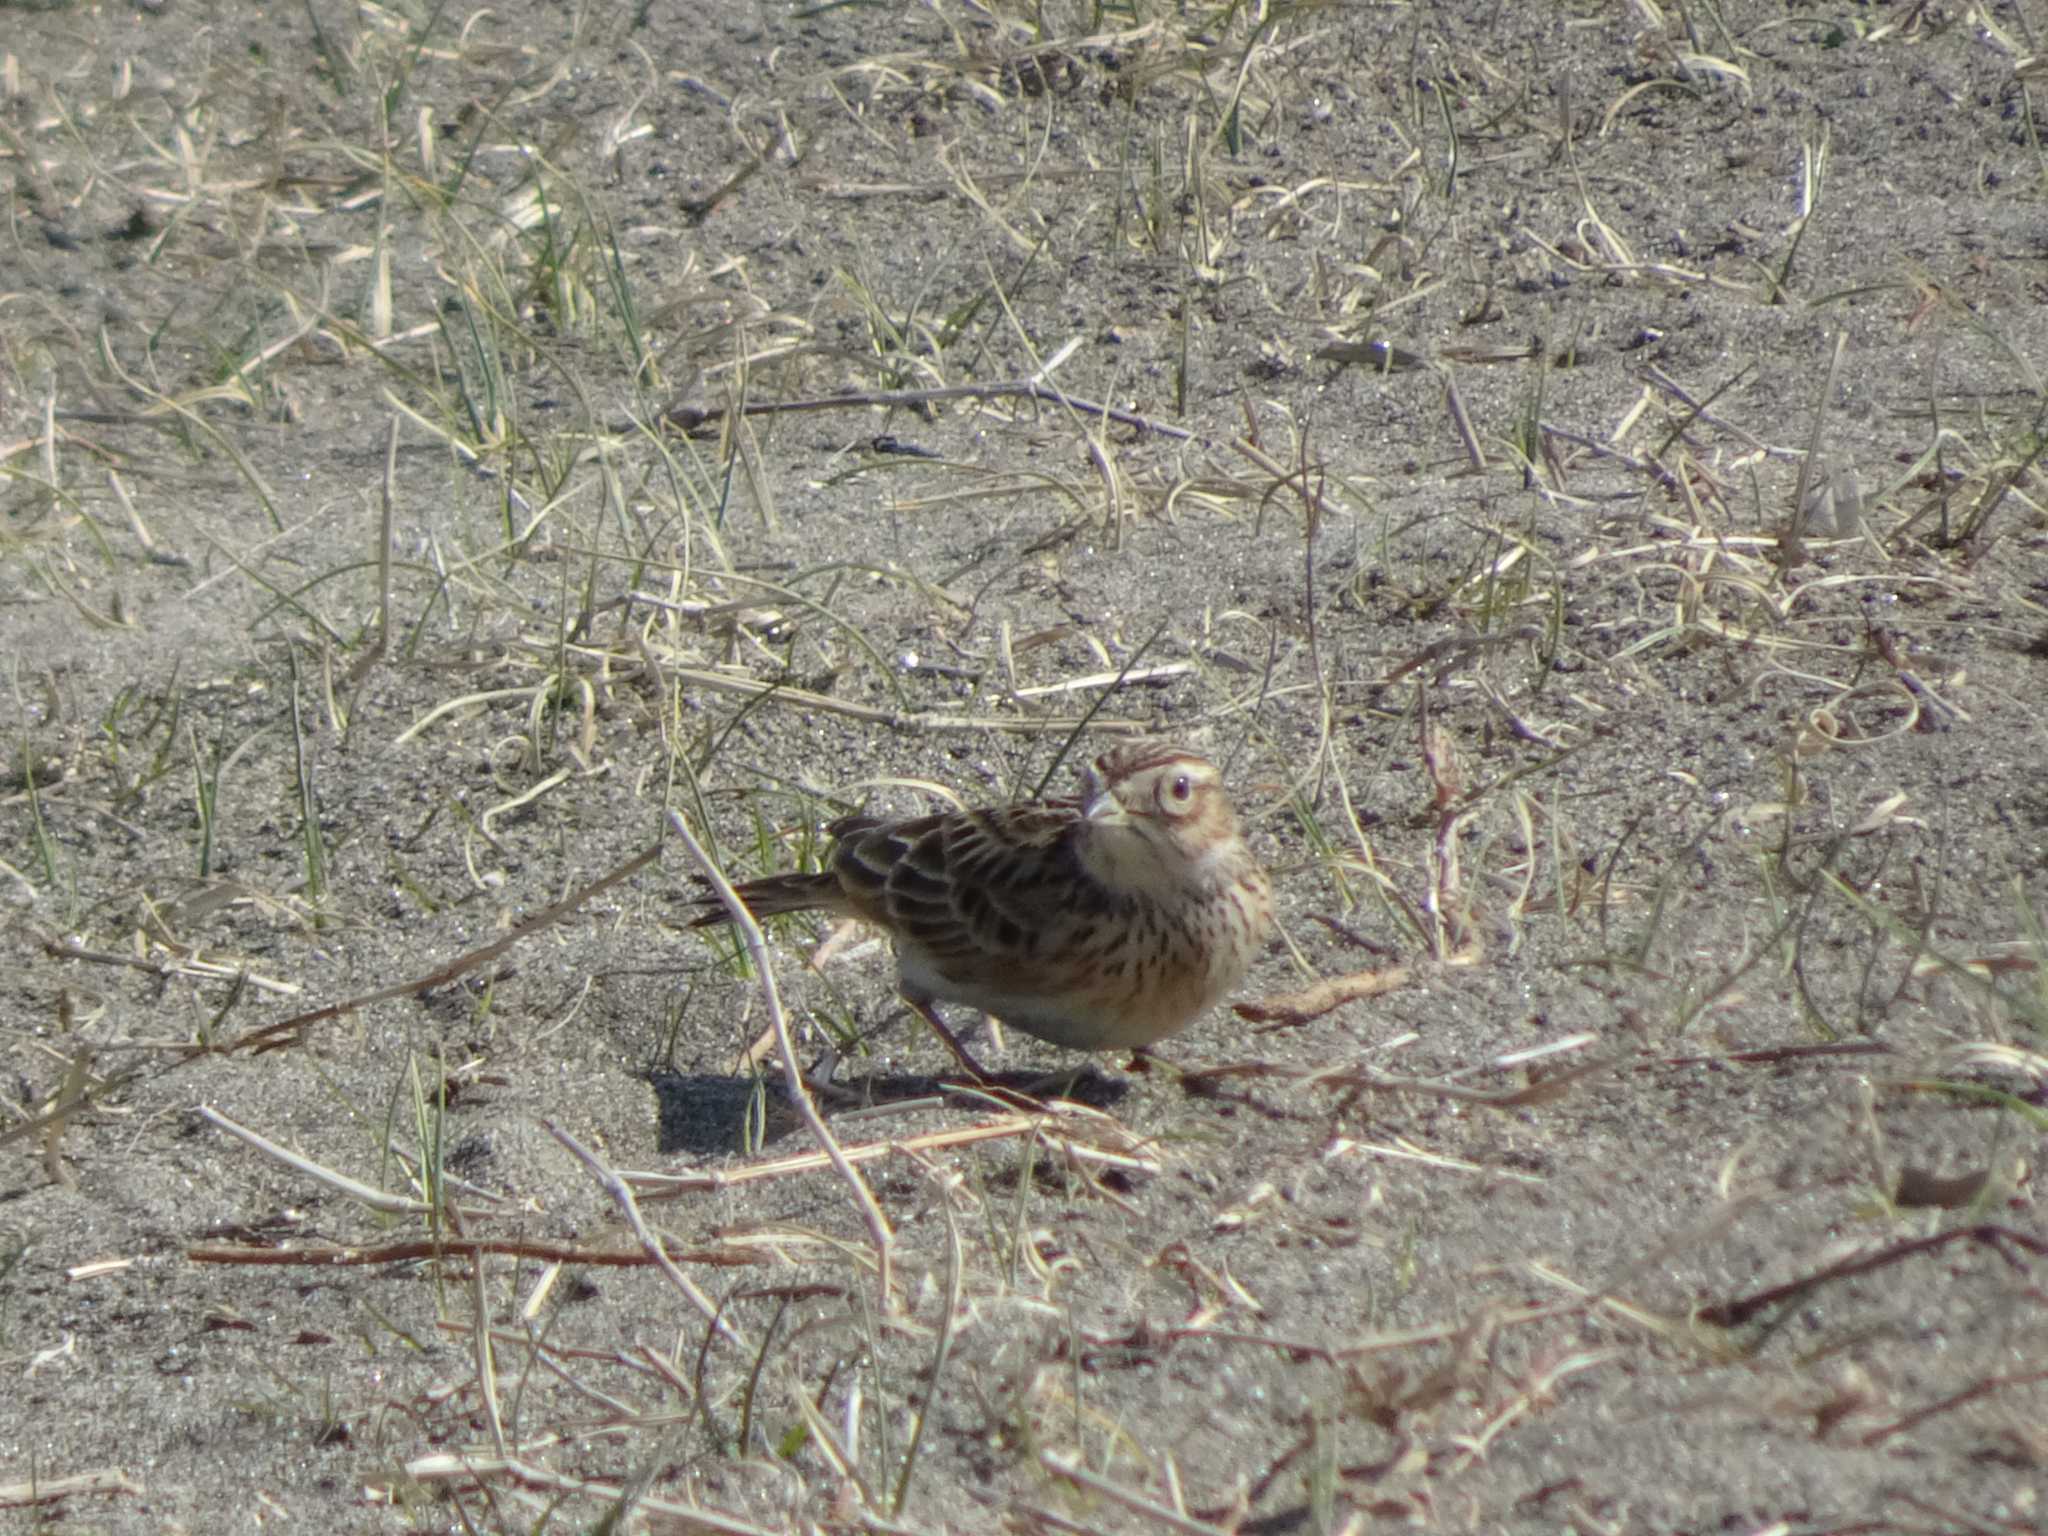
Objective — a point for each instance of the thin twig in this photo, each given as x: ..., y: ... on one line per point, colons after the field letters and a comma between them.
x: 622, y: 1197
x: 415, y: 1250
x: 1730, y: 1314
x: 792, y: 1076
x: 271, y: 1036
x: 669, y: 1186
x: 688, y: 417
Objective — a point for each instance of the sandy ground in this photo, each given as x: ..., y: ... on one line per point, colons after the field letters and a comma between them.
x: 1575, y: 472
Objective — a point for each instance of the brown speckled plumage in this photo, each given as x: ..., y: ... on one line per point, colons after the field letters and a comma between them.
x: 1104, y: 921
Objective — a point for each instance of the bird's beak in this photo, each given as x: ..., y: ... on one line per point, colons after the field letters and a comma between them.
x: 1097, y: 803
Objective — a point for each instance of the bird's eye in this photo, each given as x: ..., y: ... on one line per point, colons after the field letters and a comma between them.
x: 1178, y: 793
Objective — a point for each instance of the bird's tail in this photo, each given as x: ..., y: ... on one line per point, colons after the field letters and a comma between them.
x: 773, y: 894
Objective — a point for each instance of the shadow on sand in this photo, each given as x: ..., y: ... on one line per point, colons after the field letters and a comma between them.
x: 706, y: 1116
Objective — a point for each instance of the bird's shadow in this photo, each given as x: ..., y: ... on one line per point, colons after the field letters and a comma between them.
x: 702, y: 1115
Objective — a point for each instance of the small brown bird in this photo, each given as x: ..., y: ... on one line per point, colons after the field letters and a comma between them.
x: 1104, y: 921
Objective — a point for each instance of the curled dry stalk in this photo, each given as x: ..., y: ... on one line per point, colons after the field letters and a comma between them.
x: 1450, y: 930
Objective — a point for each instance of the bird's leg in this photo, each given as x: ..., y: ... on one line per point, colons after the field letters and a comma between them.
x: 819, y: 1080
x: 930, y: 1015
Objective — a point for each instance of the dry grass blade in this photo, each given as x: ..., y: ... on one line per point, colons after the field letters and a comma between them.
x: 172, y: 964
x: 1734, y: 1313
x: 1028, y: 389
x: 622, y: 1196
x: 288, y: 1031
x: 1048, y: 1126
x: 341, y: 1183
x: 413, y: 1251
x: 1977, y: 1390
x: 799, y: 1091
x: 1163, y: 1517
x: 1354, y: 1078
x: 460, y: 1470
x: 1291, y: 1009
x: 804, y: 699
x: 51, y: 1490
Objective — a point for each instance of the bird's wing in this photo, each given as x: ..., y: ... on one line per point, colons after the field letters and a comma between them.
x: 973, y: 890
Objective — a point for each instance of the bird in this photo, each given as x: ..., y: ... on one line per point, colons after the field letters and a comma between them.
x: 1101, y: 921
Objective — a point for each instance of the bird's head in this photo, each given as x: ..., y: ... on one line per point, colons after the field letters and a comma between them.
x: 1156, y: 806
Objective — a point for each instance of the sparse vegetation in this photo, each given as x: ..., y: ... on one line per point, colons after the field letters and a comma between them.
x: 1577, y: 470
